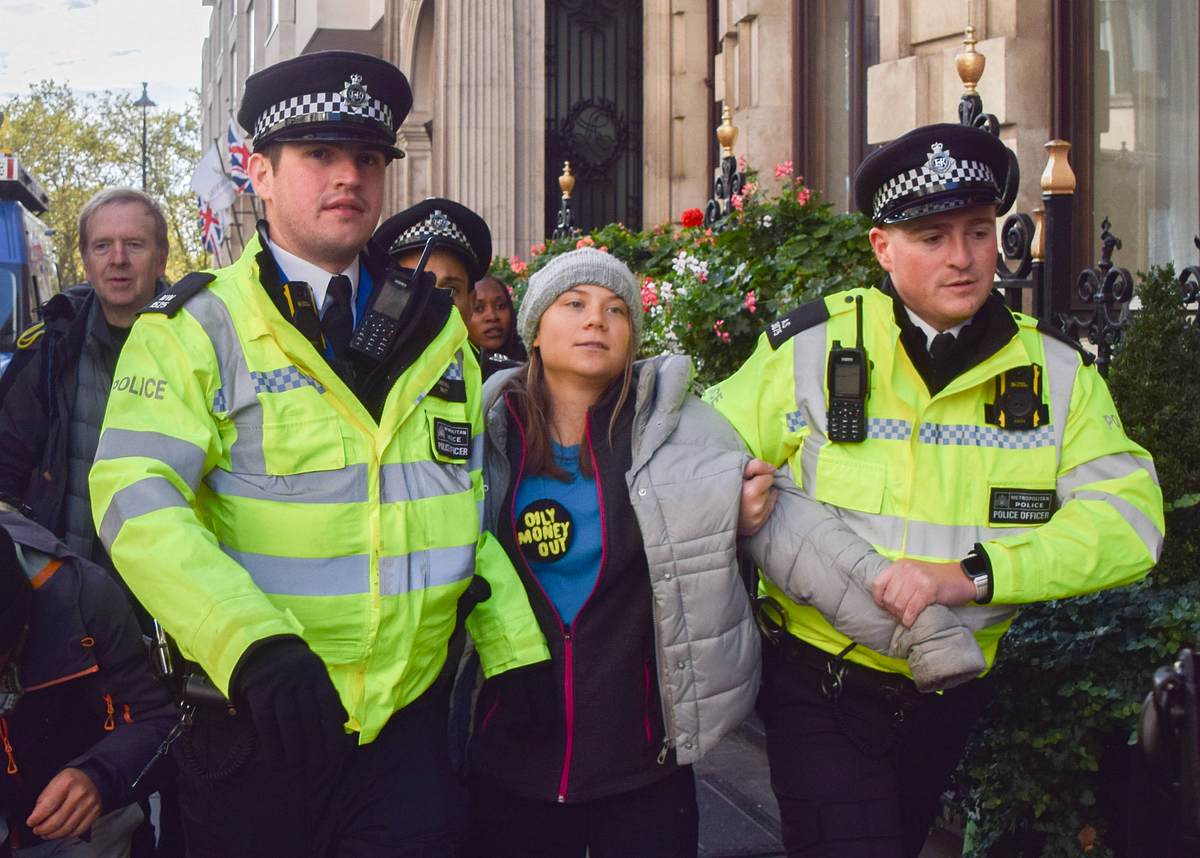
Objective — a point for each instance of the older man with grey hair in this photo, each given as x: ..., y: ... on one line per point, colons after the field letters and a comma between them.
x: 54, y: 393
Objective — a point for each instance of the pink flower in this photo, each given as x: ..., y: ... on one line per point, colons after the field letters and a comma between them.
x: 737, y: 201
x: 783, y: 168
x: 586, y: 241
x: 649, y: 295
x: 750, y: 302
x: 517, y: 265
x: 510, y: 290
x: 719, y: 330
x: 749, y: 188
x: 603, y: 248
x: 692, y: 217
x: 742, y: 163
x: 537, y: 249
x: 803, y: 195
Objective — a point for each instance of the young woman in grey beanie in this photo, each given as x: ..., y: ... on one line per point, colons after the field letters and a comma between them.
x: 618, y: 496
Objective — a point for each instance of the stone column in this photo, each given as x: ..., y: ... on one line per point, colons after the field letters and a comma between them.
x: 409, y: 41
x: 676, y: 138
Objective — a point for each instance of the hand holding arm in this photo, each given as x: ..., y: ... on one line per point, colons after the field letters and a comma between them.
x: 906, y: 587
x: 758, y: 497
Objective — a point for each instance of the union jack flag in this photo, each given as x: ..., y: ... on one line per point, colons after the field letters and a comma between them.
x: 212, y: 226
x: 239, y: 157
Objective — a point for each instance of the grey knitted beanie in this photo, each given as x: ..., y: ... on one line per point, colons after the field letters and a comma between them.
x: 585, y: 265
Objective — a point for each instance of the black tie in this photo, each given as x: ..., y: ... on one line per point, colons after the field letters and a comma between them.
x: 939, y: 349
x: 337, y: 319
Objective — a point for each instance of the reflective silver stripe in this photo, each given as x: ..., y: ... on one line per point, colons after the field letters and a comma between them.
x: 924, y: 538
x: 416, y: 480
x: 407, y: 573
x: 346, y: 485
x: 140, y: 498
x: 1111, y: 467
x: 966, y: 435
x: 1062, y: 365
x: 182, y: 457
x: 1146, y: 530
x: 238, y: 390
x: 808, y: 351
x: 475, y: 460
x: 306, y: 576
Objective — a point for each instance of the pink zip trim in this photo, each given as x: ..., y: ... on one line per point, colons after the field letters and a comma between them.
x: 646, y: 703
x: 568, y: 647
x: 569, y: 693
x: 487, y: 719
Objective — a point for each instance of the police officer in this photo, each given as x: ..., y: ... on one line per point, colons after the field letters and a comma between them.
x: 975, y: 447
x: 301, y: 513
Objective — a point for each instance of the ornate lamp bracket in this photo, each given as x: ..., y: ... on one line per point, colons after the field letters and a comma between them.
x: 1109, y: 288
x: 565, y: 225
x: 729, y: 180
x: 1189, y: 286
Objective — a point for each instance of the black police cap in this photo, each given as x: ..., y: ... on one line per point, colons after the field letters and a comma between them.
x: 933, y: 169
x: 451, y: 225
x: 339, y: 96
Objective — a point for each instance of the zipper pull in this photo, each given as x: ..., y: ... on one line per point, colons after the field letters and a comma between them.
x: 662, y: 755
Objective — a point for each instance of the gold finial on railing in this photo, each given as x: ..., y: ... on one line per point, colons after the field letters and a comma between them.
x: 1058, y: 177
x: 727, y: 133
x: 969, y: 62
x: 566, y: 181
x: 1037, y: 247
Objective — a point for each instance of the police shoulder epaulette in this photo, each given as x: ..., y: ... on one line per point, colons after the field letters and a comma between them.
x: 1056, y: 333
x: 176, y: 296
x: 801, y: 319
x: 31, y: 335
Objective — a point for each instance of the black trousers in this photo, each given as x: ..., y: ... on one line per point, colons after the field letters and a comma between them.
x: 394, y: 797
x: 659, y: 820
x: 853, y: 777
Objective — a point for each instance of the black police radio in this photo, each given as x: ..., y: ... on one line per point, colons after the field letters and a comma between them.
x: 847, y: 380
x: 379, y: 330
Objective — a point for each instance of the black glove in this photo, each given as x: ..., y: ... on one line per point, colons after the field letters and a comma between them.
x: 529, y: 701
x: 297, y: 714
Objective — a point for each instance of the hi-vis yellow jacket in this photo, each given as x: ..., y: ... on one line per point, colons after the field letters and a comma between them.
x: 1068, y: 507
x: 244, y: 492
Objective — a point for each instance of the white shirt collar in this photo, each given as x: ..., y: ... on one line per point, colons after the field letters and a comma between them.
x: 929, y: 330
x: 295, y: 268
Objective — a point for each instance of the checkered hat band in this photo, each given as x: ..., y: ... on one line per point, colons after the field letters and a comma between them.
x: 437, y: 225
x: 921, y: 181
x: 320, y: 107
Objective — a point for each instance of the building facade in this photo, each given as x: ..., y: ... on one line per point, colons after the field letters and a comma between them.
x: 630, y: 91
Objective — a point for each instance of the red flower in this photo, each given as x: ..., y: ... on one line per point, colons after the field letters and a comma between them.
x: 537, y: 249
x: 783, y: 168
x: 586, y: 241
x: 750, y: 302
x: 737, y: 201
x: 649, y: 295
x: 692, y: 217
x: 517, y: 265
x: 803, y: 195
x: 719, y: 330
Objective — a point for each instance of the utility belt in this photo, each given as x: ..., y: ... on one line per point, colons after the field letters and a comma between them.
x: 834, y: 674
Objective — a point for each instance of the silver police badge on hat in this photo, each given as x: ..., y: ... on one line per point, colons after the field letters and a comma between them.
x: 354, y: 96
x: 440, y: 221
x: 939, y: 161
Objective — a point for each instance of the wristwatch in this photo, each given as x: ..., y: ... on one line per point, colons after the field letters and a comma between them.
x: 976, y: 567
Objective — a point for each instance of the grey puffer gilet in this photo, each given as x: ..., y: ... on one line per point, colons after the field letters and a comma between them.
x: 685, y: 488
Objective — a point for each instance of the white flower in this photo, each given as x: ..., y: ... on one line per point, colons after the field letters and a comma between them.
x: 765, y: 221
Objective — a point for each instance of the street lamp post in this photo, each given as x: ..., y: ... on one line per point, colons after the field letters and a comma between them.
x: 143, y: 103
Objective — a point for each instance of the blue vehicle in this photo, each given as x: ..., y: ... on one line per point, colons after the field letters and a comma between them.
x: 27, y: 273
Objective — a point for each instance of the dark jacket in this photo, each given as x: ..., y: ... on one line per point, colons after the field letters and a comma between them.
x: 89, y: 701
x: 609, y: 731
x: 37, y: 393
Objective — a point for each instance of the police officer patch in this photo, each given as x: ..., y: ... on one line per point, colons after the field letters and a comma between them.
x: 451, y: 439
x: 1020, y: 506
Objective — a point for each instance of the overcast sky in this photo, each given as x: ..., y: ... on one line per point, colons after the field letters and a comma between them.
x: 104, y: 44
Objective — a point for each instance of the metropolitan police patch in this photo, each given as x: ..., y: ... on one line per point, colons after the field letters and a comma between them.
x: 1020, y: 506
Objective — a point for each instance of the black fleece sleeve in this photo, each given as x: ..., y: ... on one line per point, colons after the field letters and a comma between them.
x: 143, y: 712
x: 24, y: 423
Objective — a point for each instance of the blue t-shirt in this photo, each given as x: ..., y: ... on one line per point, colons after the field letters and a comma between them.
x: 559, y: 532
